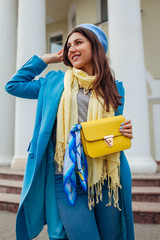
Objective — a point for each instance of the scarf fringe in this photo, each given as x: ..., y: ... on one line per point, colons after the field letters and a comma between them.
x: 59, y: 155
x: 96, y: 189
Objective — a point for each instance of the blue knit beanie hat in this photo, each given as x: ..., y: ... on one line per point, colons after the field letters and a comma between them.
x: 99, y: 34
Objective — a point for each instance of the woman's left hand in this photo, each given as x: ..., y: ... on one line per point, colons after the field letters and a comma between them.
x: 126, y: 129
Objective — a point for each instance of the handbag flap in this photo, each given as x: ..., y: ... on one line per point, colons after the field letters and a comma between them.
x: 98, y: 129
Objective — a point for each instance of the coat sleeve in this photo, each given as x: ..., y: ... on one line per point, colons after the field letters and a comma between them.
x: 22, y: 84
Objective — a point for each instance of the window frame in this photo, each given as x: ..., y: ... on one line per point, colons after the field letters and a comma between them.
x: 52, y: 35
x: 99, y: 16
x: 71, y: 13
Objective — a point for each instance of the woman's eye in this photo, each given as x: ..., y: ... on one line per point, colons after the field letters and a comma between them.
x: 78, y: 42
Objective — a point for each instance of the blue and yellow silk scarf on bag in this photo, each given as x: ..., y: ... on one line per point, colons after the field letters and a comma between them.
x: 74, y: 156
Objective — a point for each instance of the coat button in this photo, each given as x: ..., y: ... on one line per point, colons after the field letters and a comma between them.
x: 31, y: 155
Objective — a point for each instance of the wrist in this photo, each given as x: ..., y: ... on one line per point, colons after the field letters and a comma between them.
x: 45, y: 59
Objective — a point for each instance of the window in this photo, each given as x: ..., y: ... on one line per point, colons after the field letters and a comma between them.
x: 56, y: 43
x: 72, y: 17
x: 73, y: 20
x: 104, y: 10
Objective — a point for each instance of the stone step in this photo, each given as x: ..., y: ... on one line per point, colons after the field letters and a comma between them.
x: 146, y: 194
x: 9, y: 202
x: 146, y: 180
x: 10, y: 186
x: 12, y: 174
x: 146, y: 212
x: 137, y: 180
x: 143, y: 212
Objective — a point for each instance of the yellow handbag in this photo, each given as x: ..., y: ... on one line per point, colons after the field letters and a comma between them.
x: 102, y: 137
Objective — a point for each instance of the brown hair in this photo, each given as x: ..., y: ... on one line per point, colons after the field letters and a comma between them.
x: 104, y: 84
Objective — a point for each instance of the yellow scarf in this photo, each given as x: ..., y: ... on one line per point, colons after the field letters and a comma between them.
x: 100, y: 168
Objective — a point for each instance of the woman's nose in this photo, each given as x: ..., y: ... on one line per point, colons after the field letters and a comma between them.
x: 72, y: 49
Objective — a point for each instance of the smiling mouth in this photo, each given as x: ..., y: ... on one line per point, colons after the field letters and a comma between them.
x: 75, y: 57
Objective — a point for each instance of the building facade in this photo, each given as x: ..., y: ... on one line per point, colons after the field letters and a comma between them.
x: 41, y: 26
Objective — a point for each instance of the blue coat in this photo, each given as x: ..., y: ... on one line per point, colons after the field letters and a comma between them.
x: 38, y: 202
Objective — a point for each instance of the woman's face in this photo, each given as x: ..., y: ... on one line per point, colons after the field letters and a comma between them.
x: 80, y: 52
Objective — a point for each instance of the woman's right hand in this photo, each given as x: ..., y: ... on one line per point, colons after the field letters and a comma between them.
x: 53, y: 57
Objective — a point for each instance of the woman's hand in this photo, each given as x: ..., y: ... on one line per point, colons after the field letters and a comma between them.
x: 126, y: 129
x: 53, y: 57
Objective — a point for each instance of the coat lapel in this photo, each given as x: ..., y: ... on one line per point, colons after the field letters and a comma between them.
x: 52, y: 95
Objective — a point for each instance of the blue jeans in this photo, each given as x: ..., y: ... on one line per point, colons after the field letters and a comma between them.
x: 80, y: 223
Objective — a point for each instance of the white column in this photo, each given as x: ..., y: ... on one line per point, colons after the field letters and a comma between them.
x: 8, y: 28
x: 127, y: 60
x: 31, y: 40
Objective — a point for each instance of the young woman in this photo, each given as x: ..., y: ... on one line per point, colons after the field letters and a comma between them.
x: 87, y: 91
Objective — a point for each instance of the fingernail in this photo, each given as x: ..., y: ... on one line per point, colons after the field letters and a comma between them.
x: 120, y: 127
x: 121, y: 124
